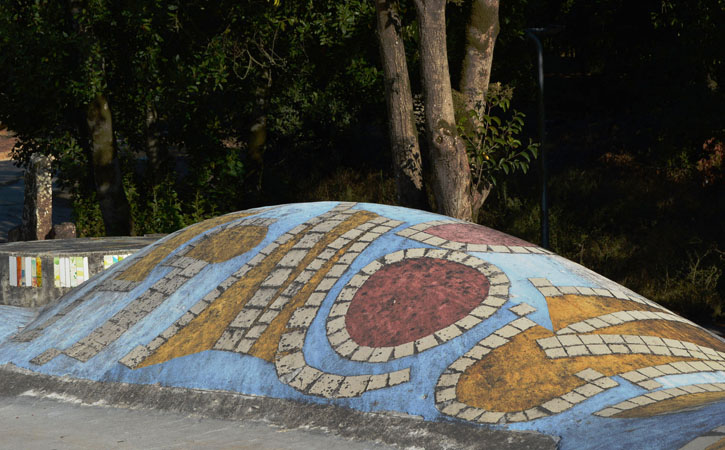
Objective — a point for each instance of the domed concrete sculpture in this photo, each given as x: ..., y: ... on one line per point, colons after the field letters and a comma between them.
x: 380, y: 308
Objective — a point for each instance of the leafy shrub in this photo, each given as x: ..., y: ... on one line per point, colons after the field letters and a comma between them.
x: 712, y: 165
x: 493, y: 144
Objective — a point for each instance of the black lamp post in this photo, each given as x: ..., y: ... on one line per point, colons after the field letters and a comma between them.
x: 535, y: 34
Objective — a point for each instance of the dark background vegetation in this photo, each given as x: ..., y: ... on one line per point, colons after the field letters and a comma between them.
x: 635, y: 102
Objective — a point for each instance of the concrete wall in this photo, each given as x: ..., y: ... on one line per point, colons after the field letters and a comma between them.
x: 63, y: 264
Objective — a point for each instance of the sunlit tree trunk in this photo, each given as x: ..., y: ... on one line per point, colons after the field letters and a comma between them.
x: 399, y: 99
x: 452, y: 174
x: 481, y: 33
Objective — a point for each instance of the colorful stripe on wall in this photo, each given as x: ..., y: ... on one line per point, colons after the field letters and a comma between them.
x: 25, y: 271
x: 109, y: 260
x: 70, y: 271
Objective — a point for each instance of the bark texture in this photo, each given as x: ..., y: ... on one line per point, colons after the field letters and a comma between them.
x: 155, y: 152
x: 481, y: 33
x: 106, y: 167
x: 452, y: 174
x: 258, y: 134
x: 38, y: 201
x: 404, y: 145
x: 107, y: 170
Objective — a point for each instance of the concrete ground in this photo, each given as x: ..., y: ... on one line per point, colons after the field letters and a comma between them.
x: 29, y: 422
x: 36, y: 410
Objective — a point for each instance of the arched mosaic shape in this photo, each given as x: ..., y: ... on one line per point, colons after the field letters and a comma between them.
x: 412, y: 300
x: 582, y: 356
x: 380, y: 308
x: 455, y: 235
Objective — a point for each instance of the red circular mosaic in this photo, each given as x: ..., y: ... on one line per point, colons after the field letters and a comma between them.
x: 469, y: 233
x: 411, y: 299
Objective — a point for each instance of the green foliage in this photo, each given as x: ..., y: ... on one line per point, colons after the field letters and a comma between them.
x: 36, y: 54
x: 156, y: 211
x: 493, y: 144
x: 634, y: 89
x: 71, y: 164
x: 693, y: 287
x: 207, y: 71
x: 712, y: 163
x: 87, y: 215
x: 631, y: 223
x: 349, y: 185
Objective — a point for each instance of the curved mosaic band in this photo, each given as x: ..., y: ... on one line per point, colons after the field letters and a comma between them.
x: 117, y: 284
x: 250, y: 323
x: 290, y: 363
x: 183, y: 269
x: 544, y: 286
x: 267, y: 303
x: 446, y: 397
x: 619, y: 317
x: 345, y: 346
x: 645, y: 377
x: 571, y: 345
x: 418, y: 233
x: 659, y: 396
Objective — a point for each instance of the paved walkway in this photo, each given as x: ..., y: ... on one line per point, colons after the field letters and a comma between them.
x: 37, y: 423
x: 11, y: 197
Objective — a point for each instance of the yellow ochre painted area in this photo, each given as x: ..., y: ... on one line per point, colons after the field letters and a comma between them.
x: 719, y: 445
x: 571, y: 308
x: 141, y: 268
x: 204, y: 330
x: 672, y: 405
x: 228, y: 243
x: 519, y: 375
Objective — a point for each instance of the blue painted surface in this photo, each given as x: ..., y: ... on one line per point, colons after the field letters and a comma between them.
x: 213, y: 369
x: 14, y: 318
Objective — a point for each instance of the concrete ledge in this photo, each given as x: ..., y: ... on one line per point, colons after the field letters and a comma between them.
x: 398, y: 429
x: 48, y: 268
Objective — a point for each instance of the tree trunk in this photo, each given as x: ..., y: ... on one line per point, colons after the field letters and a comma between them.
x: 481, y: 36
x: 399, y: 99
x: 107, y: 170
x: 155, y: 152
x: 257, y: 141
x: 106, y: 167
x: 452, y: 183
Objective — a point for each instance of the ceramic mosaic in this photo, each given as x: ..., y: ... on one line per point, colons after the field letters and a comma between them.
x: 109, y: 260
x: 25, y: 271
x: 70, y: 271
x: 381, y: 308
